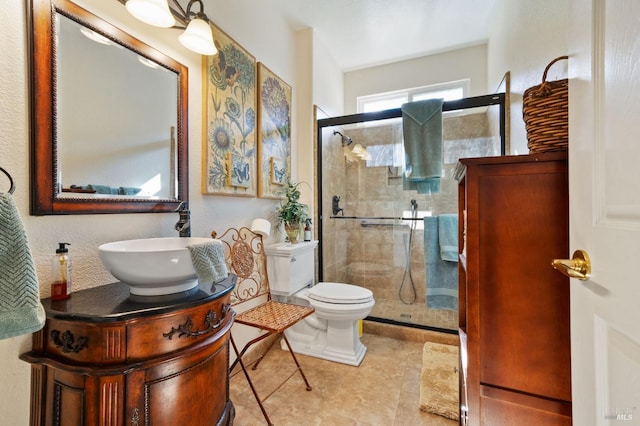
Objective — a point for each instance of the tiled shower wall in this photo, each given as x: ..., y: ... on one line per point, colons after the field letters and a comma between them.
x: 334, y: 243
x: 375, y: 256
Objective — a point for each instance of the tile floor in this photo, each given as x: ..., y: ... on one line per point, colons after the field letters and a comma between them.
x: 384, y: 390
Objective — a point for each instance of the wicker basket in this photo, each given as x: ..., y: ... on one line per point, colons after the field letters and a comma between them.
x: 545, y: 109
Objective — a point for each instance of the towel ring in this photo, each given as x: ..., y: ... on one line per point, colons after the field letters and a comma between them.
x: 12, y: 187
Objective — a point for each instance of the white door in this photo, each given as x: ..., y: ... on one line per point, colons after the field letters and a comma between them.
x: 604, y: 170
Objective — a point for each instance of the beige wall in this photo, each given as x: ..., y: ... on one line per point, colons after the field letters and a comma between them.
x: 319, y: 84
x: 470, y: 62
x: 526, y: 36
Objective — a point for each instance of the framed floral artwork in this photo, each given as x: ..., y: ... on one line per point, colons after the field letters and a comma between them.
x: 229, y: 148
x: 274, y: 134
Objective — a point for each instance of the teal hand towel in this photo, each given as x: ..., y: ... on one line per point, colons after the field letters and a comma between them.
x: 20, y: 309
x: 442, y: 276
x: 208, y: 261
x: 422, y: 132
x: 448, y: 237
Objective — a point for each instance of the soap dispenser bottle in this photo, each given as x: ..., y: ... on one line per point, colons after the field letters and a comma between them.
x: 61, y: 272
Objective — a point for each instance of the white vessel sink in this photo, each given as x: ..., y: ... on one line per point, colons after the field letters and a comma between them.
x: 152, y: 266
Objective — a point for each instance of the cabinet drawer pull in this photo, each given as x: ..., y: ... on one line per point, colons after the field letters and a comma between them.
x: 211, y: 322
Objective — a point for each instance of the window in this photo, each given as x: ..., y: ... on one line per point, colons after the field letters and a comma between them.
x: 383, y: 101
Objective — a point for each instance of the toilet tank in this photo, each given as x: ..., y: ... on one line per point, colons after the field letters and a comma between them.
x: 291, y: 267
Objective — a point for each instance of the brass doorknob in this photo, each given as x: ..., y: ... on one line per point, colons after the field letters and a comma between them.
x: 578, y: 267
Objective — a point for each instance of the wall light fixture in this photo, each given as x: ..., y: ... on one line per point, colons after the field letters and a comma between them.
x: 197, y: 35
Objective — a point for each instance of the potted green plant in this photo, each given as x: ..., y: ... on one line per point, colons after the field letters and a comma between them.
x: 291, y: 212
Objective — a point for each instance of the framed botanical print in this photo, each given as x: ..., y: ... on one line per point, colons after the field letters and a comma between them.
x: 229, y: 149
x: 274, y: 134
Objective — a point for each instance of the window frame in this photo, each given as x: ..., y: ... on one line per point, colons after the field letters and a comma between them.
x: 410, y: 94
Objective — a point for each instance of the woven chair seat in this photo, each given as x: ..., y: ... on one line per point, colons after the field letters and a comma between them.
x: 274, y: 316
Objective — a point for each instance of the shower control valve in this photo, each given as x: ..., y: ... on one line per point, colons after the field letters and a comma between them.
x: 336, y: 206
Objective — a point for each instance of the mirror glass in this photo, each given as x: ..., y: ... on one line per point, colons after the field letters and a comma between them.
x: 101, y: 144
x: 116, y: 118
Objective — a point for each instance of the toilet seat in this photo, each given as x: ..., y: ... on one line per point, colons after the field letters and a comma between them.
x: 339, y: 293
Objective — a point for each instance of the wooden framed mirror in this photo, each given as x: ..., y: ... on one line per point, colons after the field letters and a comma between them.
x: 108, y: 117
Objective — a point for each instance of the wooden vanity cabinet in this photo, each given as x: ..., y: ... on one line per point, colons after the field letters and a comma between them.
x: 514, y: 307
x: 107, y: 358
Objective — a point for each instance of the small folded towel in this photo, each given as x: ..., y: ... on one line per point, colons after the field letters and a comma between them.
x: 208, y: 261
x: 422, y: 133
x: 103, y: 189
x: 128, y: 190
x: 20, y: 309
x: 448, y: 237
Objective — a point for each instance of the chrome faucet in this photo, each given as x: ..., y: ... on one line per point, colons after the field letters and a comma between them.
x: 183, y: 226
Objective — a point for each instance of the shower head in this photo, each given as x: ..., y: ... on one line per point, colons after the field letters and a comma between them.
x: 346, y: 140
x: 414, y: 206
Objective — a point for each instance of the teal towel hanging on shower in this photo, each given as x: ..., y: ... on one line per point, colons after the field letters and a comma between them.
x: 442, y: 275
x: 422, y: 132
x: 448, y: 237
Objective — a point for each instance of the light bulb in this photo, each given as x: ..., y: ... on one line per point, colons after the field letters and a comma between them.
x: 152, y: 12
x: 198, y: 38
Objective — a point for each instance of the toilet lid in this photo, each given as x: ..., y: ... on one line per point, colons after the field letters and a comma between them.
x: 339, y: 293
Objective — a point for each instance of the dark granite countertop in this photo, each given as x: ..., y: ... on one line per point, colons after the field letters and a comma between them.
x: 113, y: 302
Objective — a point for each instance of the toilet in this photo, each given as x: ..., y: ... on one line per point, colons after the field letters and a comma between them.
x: 332, y: 332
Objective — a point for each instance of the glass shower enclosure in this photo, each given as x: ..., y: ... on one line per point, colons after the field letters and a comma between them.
x: 375, y: 232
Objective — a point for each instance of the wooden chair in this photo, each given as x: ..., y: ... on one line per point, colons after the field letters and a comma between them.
x: 245, y: 256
